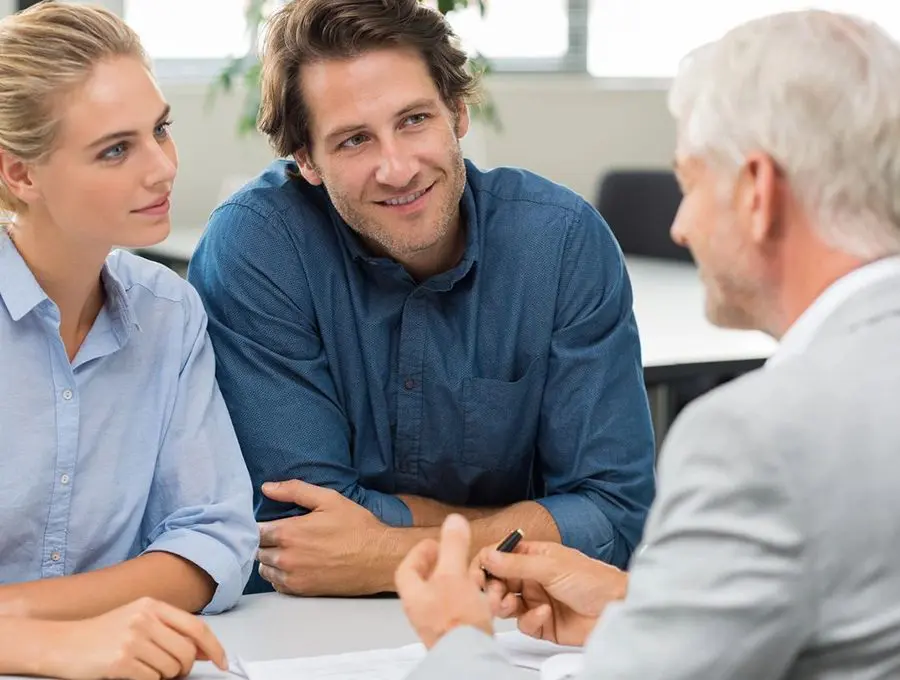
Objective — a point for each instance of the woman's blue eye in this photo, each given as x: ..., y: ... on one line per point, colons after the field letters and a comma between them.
x: 161, y: 131
x: 115, y: 152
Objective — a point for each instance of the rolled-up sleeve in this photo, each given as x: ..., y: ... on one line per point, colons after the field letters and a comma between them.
x: 272, y: 364
x: 595, y: 436
x: 200, y: 503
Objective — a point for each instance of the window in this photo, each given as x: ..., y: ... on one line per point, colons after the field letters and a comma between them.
x: 647, y: 38
x: 515, y: 29
x: 189, y: 29
x: 514, y: 34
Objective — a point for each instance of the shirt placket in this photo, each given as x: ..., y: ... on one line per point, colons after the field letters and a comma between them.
x: 410, y: 375
x: 66, y: 399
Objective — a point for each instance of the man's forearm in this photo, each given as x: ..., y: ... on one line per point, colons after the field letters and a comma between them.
x: 530, y: 517
x: 159, y: 575
x: 427, y: 512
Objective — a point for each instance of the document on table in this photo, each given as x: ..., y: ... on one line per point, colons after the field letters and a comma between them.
x: 555, y: 662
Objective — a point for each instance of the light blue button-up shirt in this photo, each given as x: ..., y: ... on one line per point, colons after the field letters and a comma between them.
x: 125, y: 450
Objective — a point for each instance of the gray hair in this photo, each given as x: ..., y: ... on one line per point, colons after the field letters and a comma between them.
x: 820, y: 94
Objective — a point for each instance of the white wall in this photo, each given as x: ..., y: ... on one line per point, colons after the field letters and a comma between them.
x: 568, y: 128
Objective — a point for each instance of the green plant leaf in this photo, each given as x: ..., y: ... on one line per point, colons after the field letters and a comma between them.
x: 224, y: 81
x: 249, y: 113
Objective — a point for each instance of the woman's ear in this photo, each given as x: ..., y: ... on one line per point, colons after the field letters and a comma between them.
x: 16, y: 177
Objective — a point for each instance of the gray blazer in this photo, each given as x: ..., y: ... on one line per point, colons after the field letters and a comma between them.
x: 773, y: 548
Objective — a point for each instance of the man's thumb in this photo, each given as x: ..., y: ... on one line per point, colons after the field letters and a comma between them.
x: 300, y: 493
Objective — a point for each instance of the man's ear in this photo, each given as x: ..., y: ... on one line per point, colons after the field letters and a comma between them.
x: 462, y: 119
x: 307, y: 169
x: 763, y: 197
x: 16, y: 177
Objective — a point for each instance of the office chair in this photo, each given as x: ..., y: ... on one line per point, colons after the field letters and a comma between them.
x: 639, y: 206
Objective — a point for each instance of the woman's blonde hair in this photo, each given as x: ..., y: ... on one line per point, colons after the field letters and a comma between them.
x: 45, y: 52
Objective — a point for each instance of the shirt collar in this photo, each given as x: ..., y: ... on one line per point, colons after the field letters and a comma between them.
x: 22, y: 293
x: 118, y: 304
x: 19, y: 290
x: 801, y: 333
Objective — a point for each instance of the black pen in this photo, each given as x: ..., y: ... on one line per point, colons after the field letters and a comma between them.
x: 507, y: 545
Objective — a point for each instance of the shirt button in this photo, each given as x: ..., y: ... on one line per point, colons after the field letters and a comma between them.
x: 409, y: 384
x: 55, y: 556
x: 64, y: 479
x: 67, y: 394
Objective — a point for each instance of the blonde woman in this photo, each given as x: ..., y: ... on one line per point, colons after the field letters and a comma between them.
x: 124, y: 500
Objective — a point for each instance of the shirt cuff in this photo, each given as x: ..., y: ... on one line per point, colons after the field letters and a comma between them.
x: 389, y: 509
x: 212, y: 557
x: 583, y: 526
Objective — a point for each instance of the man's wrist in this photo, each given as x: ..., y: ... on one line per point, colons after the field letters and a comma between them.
x: 382, y: 560
x: 387, y: 550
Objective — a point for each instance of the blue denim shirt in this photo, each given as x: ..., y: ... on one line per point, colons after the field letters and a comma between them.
x: 515, y: 375
x: 125, y: 450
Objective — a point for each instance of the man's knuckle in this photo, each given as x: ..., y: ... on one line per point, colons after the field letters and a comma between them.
x: 140, y: 621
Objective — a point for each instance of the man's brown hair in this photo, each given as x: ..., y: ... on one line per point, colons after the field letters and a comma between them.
x: 308, y: 31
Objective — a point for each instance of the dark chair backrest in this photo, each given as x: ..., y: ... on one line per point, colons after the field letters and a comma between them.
x: 639, y: 206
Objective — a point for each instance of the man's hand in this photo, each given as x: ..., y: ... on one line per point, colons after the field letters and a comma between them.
x: 437, y: 593
x: 144, y: 640
x: 555, y: 592
x: 330, y: 551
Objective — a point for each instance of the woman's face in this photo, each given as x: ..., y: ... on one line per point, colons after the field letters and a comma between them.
x: 108, y: 180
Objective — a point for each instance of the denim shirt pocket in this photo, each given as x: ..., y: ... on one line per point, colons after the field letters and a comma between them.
x: 501, y: 419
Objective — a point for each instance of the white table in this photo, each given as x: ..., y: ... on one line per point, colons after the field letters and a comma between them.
x: 273, y: 626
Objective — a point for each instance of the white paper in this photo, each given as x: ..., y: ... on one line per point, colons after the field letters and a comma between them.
x: 377, y: 664
x: 527, y: 652
x: 397, y: 663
